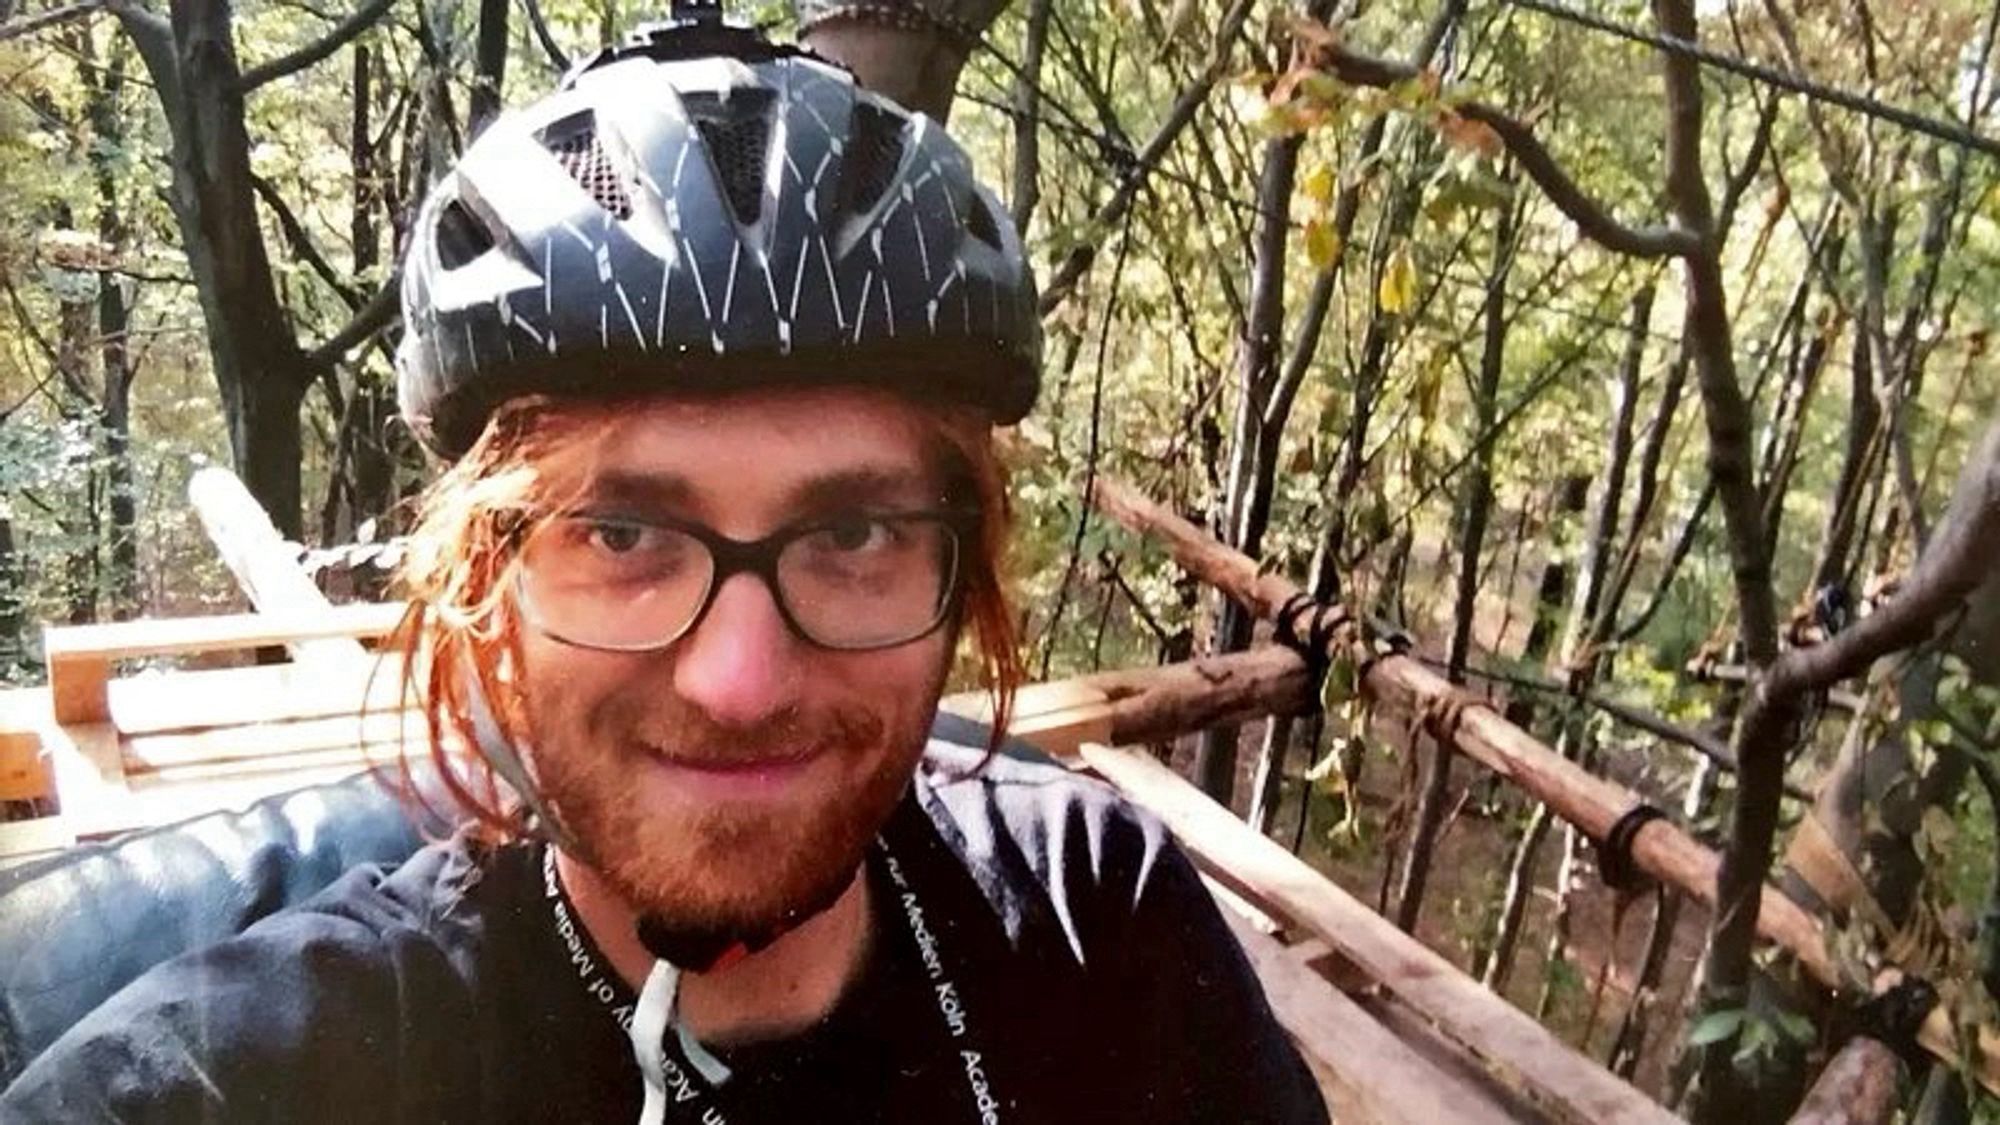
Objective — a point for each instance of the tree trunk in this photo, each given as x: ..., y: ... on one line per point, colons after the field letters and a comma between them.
x: 259, y: 368
x: 1476, y: 506
x: 114, y: 325
x: 489, y: 68
x: 15, y: 651
x: 915, y: 64
x: 1589, y: 627
x: 1552, y: 593
x: 1498, y: 963
x: 1247, y: 505
x: 79, y: 410
x: 1027, y: 173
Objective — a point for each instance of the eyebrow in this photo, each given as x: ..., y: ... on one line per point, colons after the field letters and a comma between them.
x: 846, y: 488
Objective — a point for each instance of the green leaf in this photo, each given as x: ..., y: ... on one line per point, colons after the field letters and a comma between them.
x: 1797, y: 1028
x: 1715, y: 1027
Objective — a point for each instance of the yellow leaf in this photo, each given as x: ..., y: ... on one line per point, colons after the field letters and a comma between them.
x: 1397, y: 292
x: 1322, y: 243
x: 1430, y: 382
x: 1318, y: 185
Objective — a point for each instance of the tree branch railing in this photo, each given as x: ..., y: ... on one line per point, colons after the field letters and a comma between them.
x: 1473, y: 728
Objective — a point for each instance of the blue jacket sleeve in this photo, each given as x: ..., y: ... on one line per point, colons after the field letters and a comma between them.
x: 307, y: 1016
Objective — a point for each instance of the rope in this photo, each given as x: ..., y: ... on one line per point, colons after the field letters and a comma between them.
x: 1615, y: 864
x: 1324, y: 624
x: 1894, y: 1016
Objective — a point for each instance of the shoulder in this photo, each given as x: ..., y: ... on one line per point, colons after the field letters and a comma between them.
x: 1076, y: 870
x: 1028, y: 828
x: 348, y: 980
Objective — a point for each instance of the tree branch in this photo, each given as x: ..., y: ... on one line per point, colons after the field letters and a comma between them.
x: 1959, y: 558
x: 1589, y: 215
x: 378, y: 313
x: 363, y: 18
x: 1063, y: 279
x: 301, y: 243
x: 541, y: 28
x: 28, y: 25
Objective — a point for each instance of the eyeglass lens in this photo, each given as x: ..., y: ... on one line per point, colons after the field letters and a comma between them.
x: 860, y: 582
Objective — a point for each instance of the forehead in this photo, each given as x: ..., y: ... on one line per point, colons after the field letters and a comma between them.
x: 755, y: 452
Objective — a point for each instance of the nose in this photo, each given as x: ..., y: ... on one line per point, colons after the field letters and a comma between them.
x: 739, y: 664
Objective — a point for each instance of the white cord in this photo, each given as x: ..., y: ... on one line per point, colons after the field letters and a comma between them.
x: 649, y: 1030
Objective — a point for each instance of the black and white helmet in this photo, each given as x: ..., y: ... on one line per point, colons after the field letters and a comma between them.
x: 702, y: 208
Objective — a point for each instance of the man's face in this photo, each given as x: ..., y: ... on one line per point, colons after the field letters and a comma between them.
x: 735, y: 777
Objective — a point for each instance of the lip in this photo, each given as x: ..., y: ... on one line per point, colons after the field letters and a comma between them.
x: 737, y: 778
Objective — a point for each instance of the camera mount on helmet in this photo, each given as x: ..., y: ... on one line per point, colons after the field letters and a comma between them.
x: 693, y: 29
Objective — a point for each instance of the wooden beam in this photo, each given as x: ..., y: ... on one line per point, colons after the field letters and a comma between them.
x: 80, y: 656
x: 23, y: 841
x: 265, y: 565
x: 1858, y: 1087
x: 1367, y: 1073
x: 1515, y: 1048
x: 1148, y: 704
x: 125, y: 640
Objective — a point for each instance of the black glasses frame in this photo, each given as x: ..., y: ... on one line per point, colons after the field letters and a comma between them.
x: 760, y: 557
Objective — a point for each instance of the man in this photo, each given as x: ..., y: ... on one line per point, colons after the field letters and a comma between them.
x: 718, y: 342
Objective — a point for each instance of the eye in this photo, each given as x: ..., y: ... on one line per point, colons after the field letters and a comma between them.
x: 857, y: 533
x: 617, y: 538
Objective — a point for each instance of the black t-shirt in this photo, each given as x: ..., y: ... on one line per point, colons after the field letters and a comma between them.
x: 1042, y: 953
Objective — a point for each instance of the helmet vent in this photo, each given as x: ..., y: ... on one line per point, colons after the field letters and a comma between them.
x: 874, y: 151
x: 460, y: 236
x: 737, y: 134
x: 979, y: 223
x: 580, y: 154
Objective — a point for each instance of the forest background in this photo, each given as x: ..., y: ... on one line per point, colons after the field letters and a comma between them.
x: 1574, y: 358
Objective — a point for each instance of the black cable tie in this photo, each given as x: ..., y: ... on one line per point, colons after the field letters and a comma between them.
x: 1895, y: 1015
x: 1615, y: 865
x: 1323, y: 624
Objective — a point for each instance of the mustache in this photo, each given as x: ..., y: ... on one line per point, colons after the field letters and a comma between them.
x: 689, y: 734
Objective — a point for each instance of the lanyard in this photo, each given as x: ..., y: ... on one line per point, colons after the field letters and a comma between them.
x: 693, y: 1088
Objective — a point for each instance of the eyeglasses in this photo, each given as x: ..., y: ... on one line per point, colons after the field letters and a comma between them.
x: 853, y: 582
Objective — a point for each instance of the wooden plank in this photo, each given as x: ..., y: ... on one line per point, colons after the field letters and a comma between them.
x: 1373, y: 1075
x: 188, y: 777
x: 124, y: 640
x: 1149, y: 704
x: 266, y: 693
x: 25, y: 840
x: 24, y: 773
x: 77, y: 684
x: 1515, y: 1048
x: 265, y: 565
x: 270, y: 742
x: 88, y: 764
x: 1054, y: 717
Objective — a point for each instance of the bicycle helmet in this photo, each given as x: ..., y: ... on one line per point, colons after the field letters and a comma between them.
x: 701, y: 208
